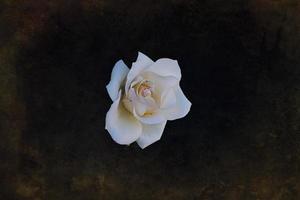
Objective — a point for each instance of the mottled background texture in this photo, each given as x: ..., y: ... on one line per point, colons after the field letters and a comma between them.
x: 240, y: 62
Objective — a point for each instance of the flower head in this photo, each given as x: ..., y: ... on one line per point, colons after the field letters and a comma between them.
x: 144, y: 98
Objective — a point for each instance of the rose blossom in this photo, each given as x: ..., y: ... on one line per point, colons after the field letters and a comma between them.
x: 144, y: 98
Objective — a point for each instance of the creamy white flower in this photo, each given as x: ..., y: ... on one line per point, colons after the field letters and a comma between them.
x: 144, y: 98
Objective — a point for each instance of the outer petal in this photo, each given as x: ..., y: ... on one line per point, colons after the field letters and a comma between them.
x: 180, y: 109
x: 118, y: 75
x: 138, y: 66
x: 151, y: 134
x: 168, y: 99
x: 122, y: 126
x: 166, y: 67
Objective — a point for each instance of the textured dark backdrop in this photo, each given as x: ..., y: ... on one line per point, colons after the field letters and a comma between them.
x: 240, y: 64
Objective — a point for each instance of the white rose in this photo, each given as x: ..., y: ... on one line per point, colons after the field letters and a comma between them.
x: 144, y: 98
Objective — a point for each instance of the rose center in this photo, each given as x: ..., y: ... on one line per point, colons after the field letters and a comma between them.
x: 140, y: 97
x: 144, y: 88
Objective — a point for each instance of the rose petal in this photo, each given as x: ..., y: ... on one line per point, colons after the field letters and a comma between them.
x: 140, y: 108
x: 151, y: 134
x: 118, y: 75
x: 168, y: 99
x: 162, y: 85
x: 149, y: 102
x: 138, y: 66
x: 161, y: 82
x: 180, y: 109
x: 154, y: 118
x: 123, y: 127
x: 166, y: 67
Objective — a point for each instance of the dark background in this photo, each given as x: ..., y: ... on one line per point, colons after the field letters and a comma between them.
x: 240, y: 66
